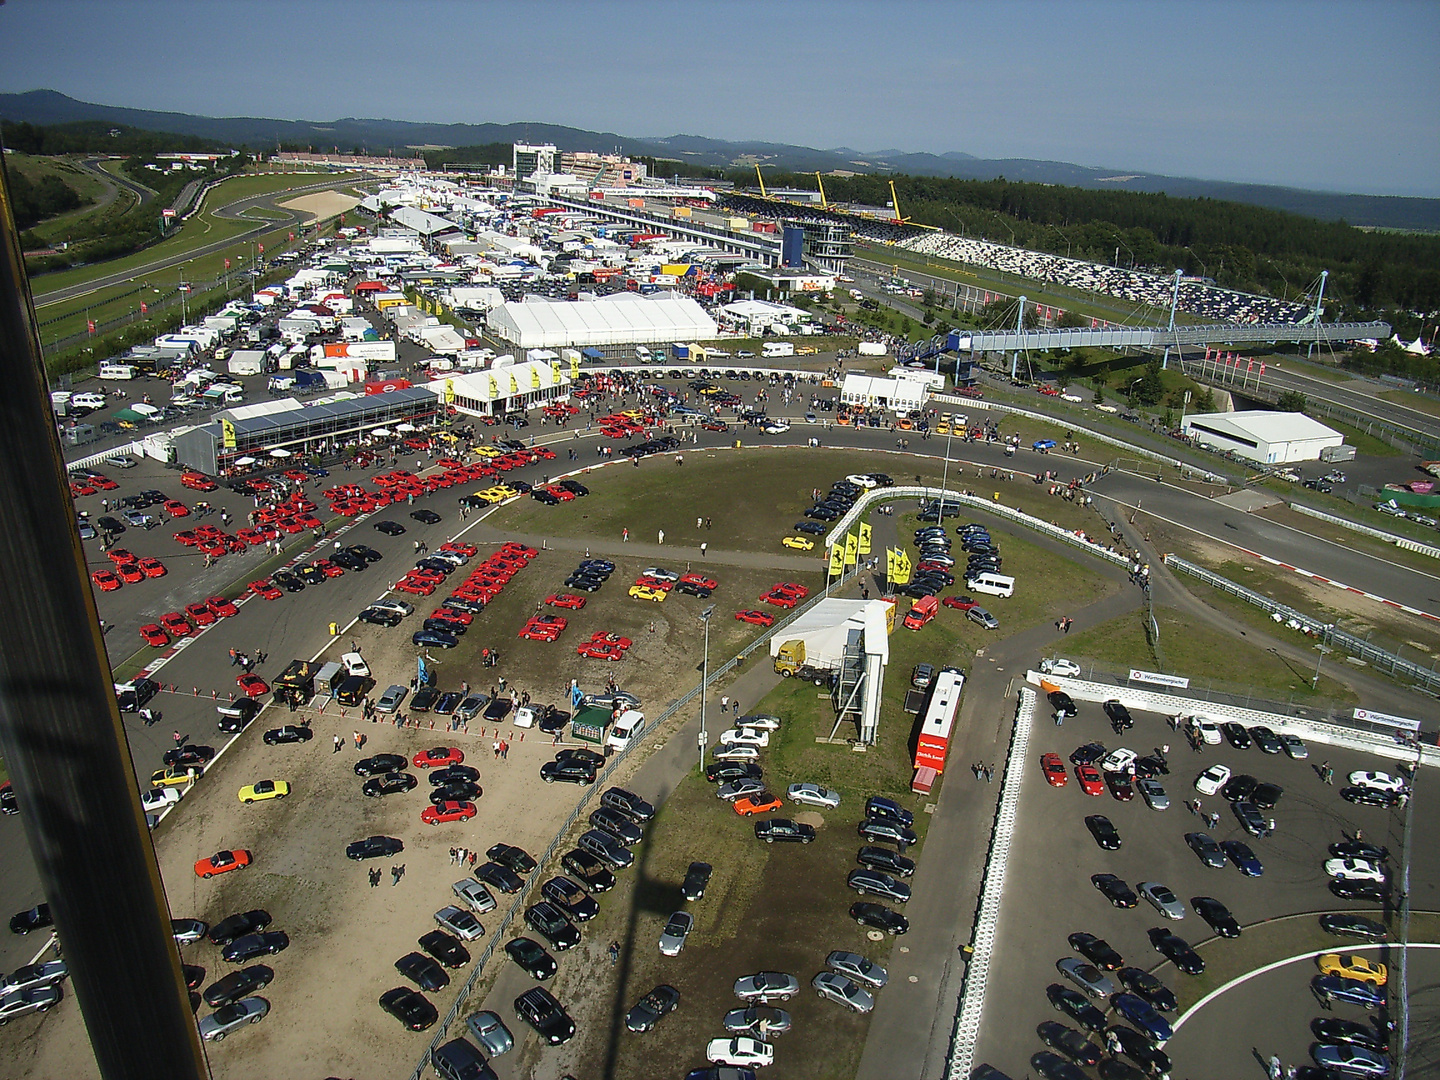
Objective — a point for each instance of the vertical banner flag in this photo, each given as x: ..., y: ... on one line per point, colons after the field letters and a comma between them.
x: 555, y: 372
x: 890, y: 564
x: 494, y: 390
x: 449, y: 391
x: 837, y: 560
x: 902, y: 568
x: 864, y: 548
x: 227, y: 434
x: 852, y: 545
x: 535, y: 376
x: 514, y: 385
x: 144, y: 308
x: 90, y: 325
x: 575, y: 366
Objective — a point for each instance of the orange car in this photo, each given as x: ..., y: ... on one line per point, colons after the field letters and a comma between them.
x: 760, y: 803
x: 222, y: 862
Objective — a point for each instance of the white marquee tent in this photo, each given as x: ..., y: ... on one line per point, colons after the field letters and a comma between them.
x: 608, y: 321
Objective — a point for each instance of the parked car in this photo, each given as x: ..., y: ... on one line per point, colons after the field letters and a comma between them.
x: 652, y: 1008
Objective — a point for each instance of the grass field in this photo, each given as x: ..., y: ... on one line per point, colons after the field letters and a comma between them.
x: 1365, y: 444
x: 84, y: 183
x: 1422, y: 402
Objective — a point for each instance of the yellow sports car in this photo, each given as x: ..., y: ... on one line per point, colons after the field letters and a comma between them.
x: 1353, y: 966
x: 645, y: 592
x: 172, y: 777
x: 264, y: 789
x: 798, y: 542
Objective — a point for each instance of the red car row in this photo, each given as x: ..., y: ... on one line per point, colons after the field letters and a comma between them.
x: 128, y: 570
x: 176, y: 625
x: 604, y: 645
x: 785, y: 594
x: 485, y: 580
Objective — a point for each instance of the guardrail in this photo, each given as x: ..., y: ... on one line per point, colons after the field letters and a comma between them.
x: 562, y: 834
x: 961, y: 1056
x: 1379, y: 534
x: 1427, y: 678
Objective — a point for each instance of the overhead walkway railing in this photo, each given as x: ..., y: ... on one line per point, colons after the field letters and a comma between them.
x: 1143, y: 337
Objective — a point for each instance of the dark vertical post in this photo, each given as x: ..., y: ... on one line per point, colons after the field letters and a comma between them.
x: 62, y: 738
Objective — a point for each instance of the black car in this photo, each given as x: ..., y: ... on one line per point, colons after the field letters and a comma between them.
x: 446, y: 948
x: 538, y: 1008
x: 530, y: 956
x: 422, y: 971
x: 1239, y: 788
x: 574, y: 487
x: 617, y: 825
x: 390, y: 784
x: 1115, y: 890
x: 389, y: 528
x: 248, y: 922
x: 1062, y: 703
x: 250, y: 946
x: 1144, y: 985
x: 1088, y: 754
x: 111, y: 525
x: 289, y: 733
x: 461, y: 603
x: 567, y: 772
x: 1073, y: 1044
x: 380, y: 617
x: 1177, y: 950
x: 37, y: 918
x: 1343, y: 925
x: 1236, y: 735
x: 1097, y: 950
x: 1375, y: 892
x: 551, y: 923
x: 814, y: 528
x: 188, y: 756
x: 1054, y: 1067
x: 237, y: 714
x: 552, y: 720
x: 627, y: 803
x: 375, y: 847
x: 454, y: 774
x: 650, y: 1009
x: 1120, y: 718
x: 511, y: 857
x: 878, y: 858
x: 1368, y: 796
x: 689, y: 588
x: 410, y: 1007
x: 822, y: 513
x: 583, y: 582
x: 1206, y: 849
x: 347, y: 561
x: 589, y: 758
x: 429, y: 517
x: 311, y: 575
x: 460, y: 1059
x: 879, y: 917
x: 1140, y: 1050
x: 1104, y: 832
x: 593, y: 874
x: 501, y: 877
x: 570, y: 898
x: 1359, y: 849
x: 1266, y: 795
x: 1076, y: 1006
x: 723, y: 772
x: 1266, y: 740
x: 1217, y: 915
x: 237, y: 985
x: 369, y: 554
x: 288, y: 580
x: 696, y: 878
x: 381, y: 763
x: 784, y: 830
x: 894, y: 832
x: 1336, y: 1032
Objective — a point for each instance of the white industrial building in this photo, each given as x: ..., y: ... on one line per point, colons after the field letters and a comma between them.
x: 899, y: 392
x: 851, y: 637
x: 1270, y: 438
x: 609, y: 320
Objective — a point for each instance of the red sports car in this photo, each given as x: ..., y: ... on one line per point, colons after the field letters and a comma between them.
x: 199, y: 614
x: 1054, y: 770
x: 565, y: 600
x: 964, y: 603
x: 221, y: 608
x: 759, y: 618
x: 663, y: 584
x: 544, y: 627
x: 439, y: 757
x: 468, y: 550
x: 328, y: 568
x: 464, y: 618
x: 762, y: 802
x: 130, y: 573
x: 414, y: 588
x: 699, y: 581
x: 175, y: 508
x: 105, y: 580
x: 790, y: 588
x: 606, y: 637
x: 175, y: 624
x: 120, y: 556
x: 266, y: 588
x: 512, y: 548
x: 151, y: 566
x: 779, y: 599
x: 187, y: 537
x: 448, y: 811
x: 153, y: 635
x: 599, y: 650
x: 222, y: 862
x: 253, y: 685
x: 104, y: 483
x: 1089, y: 778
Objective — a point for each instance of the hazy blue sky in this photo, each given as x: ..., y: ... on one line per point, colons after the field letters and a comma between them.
x: 1319, y: 94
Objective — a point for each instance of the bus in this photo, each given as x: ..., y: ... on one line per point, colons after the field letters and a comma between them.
x: 934, y: 740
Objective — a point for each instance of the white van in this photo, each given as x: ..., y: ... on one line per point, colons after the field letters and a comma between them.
x: 642, y: 354
x: 991, y: 584
x: 625, y: 730
x: 117, y: 371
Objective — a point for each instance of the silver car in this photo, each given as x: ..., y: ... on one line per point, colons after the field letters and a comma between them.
x: 35, y: 975
x: 1294, y: 747
x: 391, y: 699
x: 490, y: 1032
x: 760, y: 722
x: 1087, y: 977
x: 20, y: 1002
x: 813, y: 795
x: 762, y: 1021
x: 474, y: 894
x: 187, y: 931
x: 839, y: 989
x: 857, y: 967
x: 1162, y: 899
x: 766, y: 986
x: 1153, y: 792
x: 227, y: 1018
x: 460, y: 923
x: 738, y: 789
x: 400, y: 607
x: 677, y: 929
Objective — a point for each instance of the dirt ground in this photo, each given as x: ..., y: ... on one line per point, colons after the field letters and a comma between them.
x: 322, y: 204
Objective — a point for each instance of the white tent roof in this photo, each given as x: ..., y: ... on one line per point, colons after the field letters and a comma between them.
x: 500, y: 383
x: 825, y: 627
x: 1265, y: 426
x: 617, y: 320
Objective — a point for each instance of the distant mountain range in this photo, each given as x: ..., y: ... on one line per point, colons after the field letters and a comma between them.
x: 394, y: 136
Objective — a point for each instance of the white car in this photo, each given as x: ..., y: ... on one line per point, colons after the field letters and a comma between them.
x: 228, y: 1018
x: 861, y: 480
x: 741, y: 1050
x: 774, y: 427
x: 843, y: 991
x: 525, y: 716
x: 1119, y: 761
x: 745, y: 737
x: 1209, y: 731
x: 659, y: 573
x: 1377, y: 781
x: 1212, y: 779
x: 760, y: 721
x: 355, y: 664
x: 400, y: 607
x: 1060, y: 666
x: 813, y: 795
x: 730, y: 752
x: 158, y: 798
x: 1355, y: 870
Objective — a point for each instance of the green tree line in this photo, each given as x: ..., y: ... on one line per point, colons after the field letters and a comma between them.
x: 96, y: 137
x: 37, y: 201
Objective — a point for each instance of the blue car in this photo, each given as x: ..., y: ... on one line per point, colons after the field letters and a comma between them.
x: 315, y: 470
x: 1043, y: 444
x: 1244, y: 859
x: 1332, y: 988
x: 1140, y: 1013
x: 434, y: 639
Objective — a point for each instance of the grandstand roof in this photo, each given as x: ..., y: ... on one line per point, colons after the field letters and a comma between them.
x: 613, y: 320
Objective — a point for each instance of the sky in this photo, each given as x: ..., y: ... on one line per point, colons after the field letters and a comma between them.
x: 1330, y: 95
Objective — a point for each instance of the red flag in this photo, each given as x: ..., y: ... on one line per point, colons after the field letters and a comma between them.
x: 1262, y: 367
x: 90, y: 325
x: 261, y: 247
x: 144, y: 308
x: 227, y: 264
x: 292, y: 236
x: 1249, y: 366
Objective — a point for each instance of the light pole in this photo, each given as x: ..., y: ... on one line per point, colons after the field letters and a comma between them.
x: 1322, y: 650
x: 704, y: 679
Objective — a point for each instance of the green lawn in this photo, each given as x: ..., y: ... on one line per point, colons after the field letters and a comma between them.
x: 1365, y: 444
x: 1422, y: 402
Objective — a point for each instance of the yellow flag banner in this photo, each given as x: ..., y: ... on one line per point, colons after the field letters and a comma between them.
x: 227, y: 434
x: 494, y: 390
x: 514, y: 385
x: 837, y: 560
x: 864, y: 548
x: 535, y: 376
x: 449, y: 391
x: 575, y: 366
x: 555, y: 372
x: 902, y: 569
x: 851, y: 545
x: 889, y: 563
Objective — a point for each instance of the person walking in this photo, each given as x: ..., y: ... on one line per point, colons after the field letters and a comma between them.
x: 504, y: 749
x: 725, y: 704
x: 703, y: 548
x: 625, y: 535
x: 396, y: 873
x: 359, y: 740
x: 989, y: 773
x: 614, y: 953
x: 471, y: 859
x: 338, y: 743
x: 374, y: 876
x: 496, y: 749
